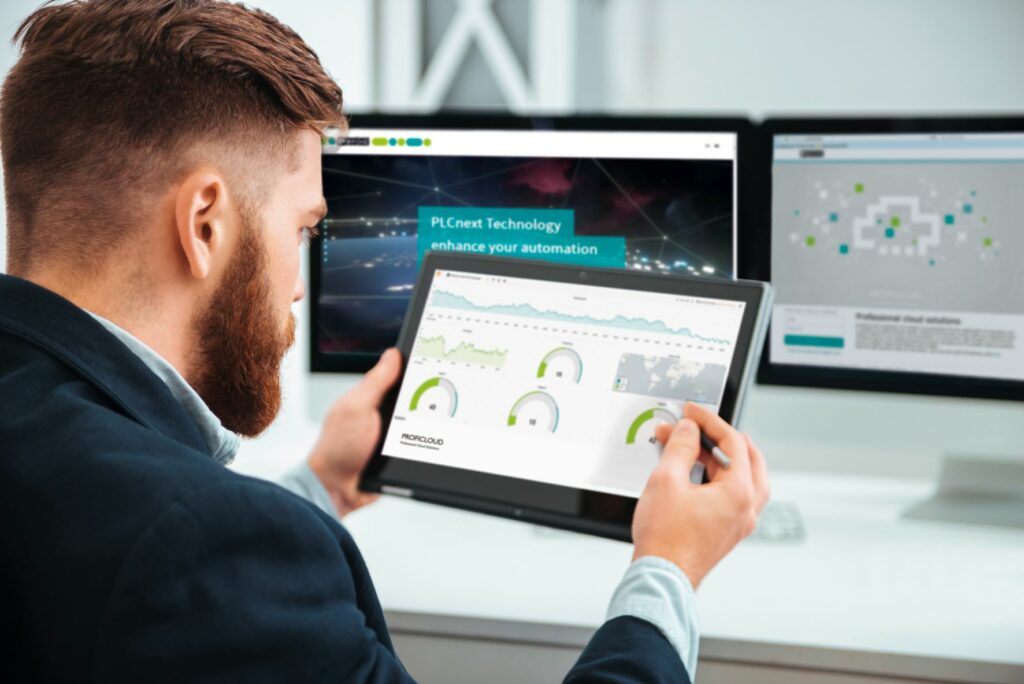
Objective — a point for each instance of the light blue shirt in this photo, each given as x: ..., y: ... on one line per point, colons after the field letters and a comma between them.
x: 653, y: 589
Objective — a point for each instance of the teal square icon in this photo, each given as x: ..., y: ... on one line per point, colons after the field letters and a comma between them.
x: 889, y: 232
x: 968, y: 208
x: 833, y: 217
x: 950, y: 219
x: 844, y: 249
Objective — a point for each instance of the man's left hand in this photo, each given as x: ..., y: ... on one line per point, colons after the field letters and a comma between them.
x: 350, y: 433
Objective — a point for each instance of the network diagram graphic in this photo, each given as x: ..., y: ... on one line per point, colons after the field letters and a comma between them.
x: 848, y: 218
x: 866, y: 227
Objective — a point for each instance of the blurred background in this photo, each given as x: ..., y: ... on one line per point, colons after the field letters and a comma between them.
x: 665, y: 56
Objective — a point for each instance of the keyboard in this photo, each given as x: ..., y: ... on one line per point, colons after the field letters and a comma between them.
x: 780, y: 521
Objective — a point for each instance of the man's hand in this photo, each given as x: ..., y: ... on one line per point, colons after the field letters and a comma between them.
x: 350, y: 433
x: 695, y: 526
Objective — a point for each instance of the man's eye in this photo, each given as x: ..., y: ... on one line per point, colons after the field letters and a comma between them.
x: 308, y: 233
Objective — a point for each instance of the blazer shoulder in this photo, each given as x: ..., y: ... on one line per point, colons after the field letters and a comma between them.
x: 242, y: 580
x: 231, y: 506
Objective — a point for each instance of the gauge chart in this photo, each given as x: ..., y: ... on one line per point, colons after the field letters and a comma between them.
x: 436, y: 396
x: 561, y: 363
x: 536, y: 411
x: 641, y: 430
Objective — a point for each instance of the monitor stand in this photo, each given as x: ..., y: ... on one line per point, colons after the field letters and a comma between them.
x: 978, y: 491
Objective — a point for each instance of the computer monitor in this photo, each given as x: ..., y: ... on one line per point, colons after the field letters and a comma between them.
x: 646, y: 194
x: 894, y: 249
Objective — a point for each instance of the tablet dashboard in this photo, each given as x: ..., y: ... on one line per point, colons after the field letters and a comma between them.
x: 554, y: 378
x: 563, y: 382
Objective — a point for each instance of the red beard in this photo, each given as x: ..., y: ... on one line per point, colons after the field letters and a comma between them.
x: 237, y: 365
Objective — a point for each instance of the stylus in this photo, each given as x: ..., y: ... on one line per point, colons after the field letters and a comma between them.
x: 714, y: 450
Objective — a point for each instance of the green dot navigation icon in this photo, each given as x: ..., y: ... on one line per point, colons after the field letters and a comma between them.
x: 436, y: 396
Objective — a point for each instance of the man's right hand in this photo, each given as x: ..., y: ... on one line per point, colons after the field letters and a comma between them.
x: 695, y: 526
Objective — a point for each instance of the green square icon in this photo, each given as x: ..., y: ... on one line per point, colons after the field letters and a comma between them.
x: 858, y: 187
x: 810, y: 241
x: 895, y: 222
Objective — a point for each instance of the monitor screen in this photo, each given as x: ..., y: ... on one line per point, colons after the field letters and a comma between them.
x: 653, y: 201
x: 898, y: 253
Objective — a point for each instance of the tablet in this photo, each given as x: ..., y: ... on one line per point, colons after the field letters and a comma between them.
x: 532, y: 390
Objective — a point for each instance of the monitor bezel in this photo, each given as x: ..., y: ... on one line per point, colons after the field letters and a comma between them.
x: 320, y: 362
x: 758, y: 265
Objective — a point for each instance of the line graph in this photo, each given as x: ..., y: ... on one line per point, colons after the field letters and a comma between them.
x: 466, y: 352
x: 449, y: 300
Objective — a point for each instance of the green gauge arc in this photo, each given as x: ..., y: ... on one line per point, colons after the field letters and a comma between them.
x: 535, y: 396
x: 562, y: 352
x: 647, y: 415
x: 444, y: 384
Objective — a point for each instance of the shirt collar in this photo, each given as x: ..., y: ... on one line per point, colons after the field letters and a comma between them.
x: 222, y: 443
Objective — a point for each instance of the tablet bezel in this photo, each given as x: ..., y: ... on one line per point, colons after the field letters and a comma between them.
x: 591, y: 512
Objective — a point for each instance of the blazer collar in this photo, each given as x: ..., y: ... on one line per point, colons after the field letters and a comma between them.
x: 65, y: 331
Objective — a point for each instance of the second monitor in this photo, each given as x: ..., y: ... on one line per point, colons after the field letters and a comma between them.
x: 894, y: 252
x: 648, y: 200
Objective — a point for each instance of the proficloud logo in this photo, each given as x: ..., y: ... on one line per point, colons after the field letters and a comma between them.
x: 422, y: 440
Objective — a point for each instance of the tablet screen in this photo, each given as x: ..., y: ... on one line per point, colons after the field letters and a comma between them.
x: 562, y: 383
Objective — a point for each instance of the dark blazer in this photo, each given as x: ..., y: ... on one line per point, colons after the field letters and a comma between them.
x: 130, y: 555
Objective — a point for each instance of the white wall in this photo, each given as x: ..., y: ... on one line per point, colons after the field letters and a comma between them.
x: 745, y: 56
x: 833, y: 55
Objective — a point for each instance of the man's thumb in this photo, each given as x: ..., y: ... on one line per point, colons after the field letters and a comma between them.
x: 682, y: 447
x: 381, y: 377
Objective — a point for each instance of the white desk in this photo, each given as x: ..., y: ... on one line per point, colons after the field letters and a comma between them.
x: 868, y: 596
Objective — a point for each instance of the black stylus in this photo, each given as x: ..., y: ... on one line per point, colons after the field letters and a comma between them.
x: 715, y: 451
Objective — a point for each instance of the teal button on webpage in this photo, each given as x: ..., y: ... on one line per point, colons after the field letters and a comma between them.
x: 814, y: 341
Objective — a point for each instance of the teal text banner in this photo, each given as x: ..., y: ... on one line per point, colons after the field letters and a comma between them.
x: 547, y: 234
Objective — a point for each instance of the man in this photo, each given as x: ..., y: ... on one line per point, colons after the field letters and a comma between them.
x: 162, y: 168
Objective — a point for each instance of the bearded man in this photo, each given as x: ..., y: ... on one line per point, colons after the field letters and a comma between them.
x: 162, y: 170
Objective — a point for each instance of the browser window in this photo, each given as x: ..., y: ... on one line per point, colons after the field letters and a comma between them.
x: 899, y: 252
x: 649, y: 201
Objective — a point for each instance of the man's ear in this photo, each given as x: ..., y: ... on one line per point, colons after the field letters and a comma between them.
x: 202, y: 213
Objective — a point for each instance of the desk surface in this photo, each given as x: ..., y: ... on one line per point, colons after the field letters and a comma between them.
x: 866, y: 587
